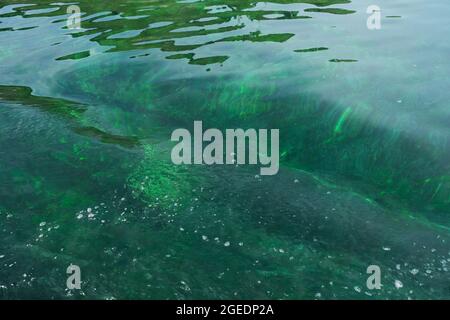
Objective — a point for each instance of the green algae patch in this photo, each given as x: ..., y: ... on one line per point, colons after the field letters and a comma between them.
x: 341, y: 121
x: 208, y: 60
x: 160, y: 183
x: 128, y: 142
x: 311, y: 49
x: 330, y: 10
x: 24, y: 96
x: 75, y: 56
x: 258, y: 37
x: 180, y: 56
x: 343, y: 60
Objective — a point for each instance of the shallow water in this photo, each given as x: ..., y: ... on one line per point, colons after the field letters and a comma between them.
x: 86, y: 177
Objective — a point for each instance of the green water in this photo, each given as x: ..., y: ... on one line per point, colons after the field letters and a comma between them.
x: 86, y: 176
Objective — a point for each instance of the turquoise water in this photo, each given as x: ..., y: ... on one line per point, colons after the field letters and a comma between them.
x: 86, y: 176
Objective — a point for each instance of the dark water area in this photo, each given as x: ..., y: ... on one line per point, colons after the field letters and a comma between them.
x: 86, y: 117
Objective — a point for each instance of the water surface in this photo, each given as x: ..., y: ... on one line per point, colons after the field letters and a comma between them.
x: 86, y: 177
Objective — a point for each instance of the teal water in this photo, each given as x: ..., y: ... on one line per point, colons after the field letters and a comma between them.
x: 86, y: 176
